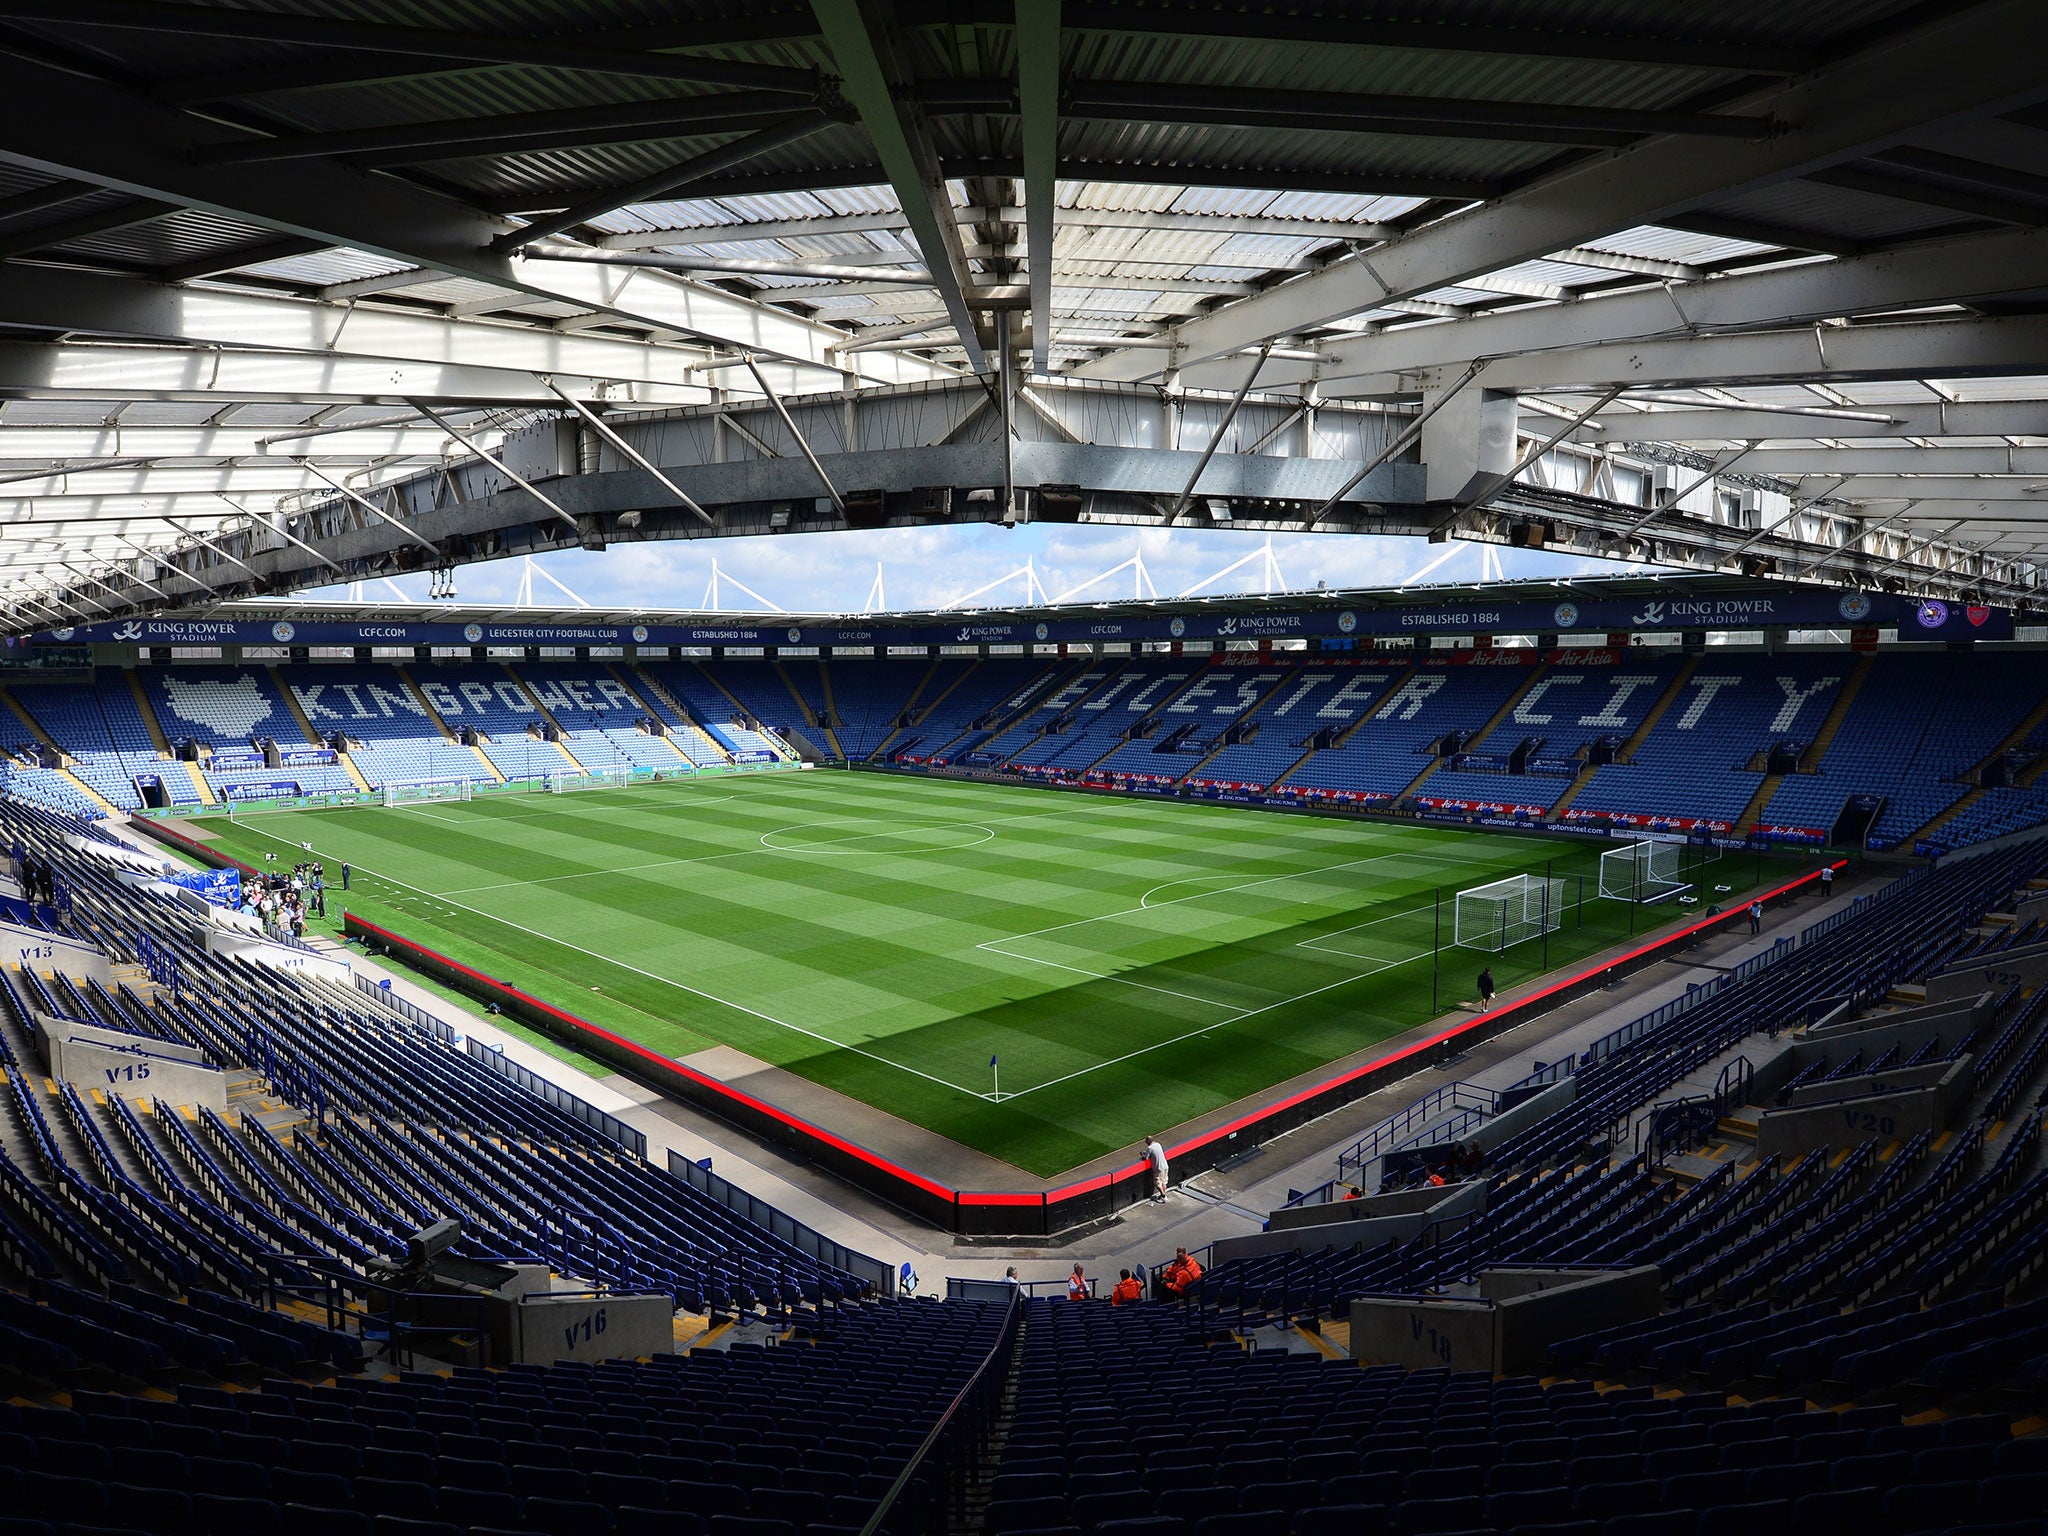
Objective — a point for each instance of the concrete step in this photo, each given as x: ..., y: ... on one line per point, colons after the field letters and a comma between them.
x: 1740, y: 1126
x: 1688, y: 1168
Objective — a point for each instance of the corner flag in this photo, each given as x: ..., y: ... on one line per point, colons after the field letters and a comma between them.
x: 998, y: 1078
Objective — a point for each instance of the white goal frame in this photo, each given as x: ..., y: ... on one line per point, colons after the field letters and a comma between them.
x: 1644, y: 871
x: 424, y: 791
x: 610, y: 776
x: 1497, y: 916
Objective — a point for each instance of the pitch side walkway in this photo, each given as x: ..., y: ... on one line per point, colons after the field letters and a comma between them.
x: 1216, y: 1204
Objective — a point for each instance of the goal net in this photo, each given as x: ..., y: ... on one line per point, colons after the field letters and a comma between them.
x: 590, y: 778
x: 1498, y: 916
x: 1642, y: 872
x: 419, y: 791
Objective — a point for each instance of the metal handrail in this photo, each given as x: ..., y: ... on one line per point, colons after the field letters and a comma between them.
x: 1003, y: 1340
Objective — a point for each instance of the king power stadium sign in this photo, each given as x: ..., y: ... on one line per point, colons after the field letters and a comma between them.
x: 1914, y: 618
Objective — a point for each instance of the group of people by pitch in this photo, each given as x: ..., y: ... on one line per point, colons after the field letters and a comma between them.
x: 1168, y: 1283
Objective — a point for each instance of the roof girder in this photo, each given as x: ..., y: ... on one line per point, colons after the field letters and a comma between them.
x: 1973, y: 62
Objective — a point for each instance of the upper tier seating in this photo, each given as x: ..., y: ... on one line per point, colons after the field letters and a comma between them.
x: 371, y: 704
x: 101, y: 727
x: 1918, y: 723
x: 1696, y: 762
x: 1914, y: 726
x: 965, y: 692
x: 1440, y: 694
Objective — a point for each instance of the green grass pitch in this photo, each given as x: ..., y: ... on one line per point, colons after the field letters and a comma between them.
x: 1131, y: 963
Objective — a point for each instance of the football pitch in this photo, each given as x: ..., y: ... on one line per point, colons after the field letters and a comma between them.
x: 1129, y: 964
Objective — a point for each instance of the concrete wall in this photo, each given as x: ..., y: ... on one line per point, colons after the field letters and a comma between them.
x: 585, y: 1327
x: 130, y: 1066
x: 45, y: 952
x: 1880, y: 1117
x: 1881, y: 1036
x: 1369, y: 1221
x: 2027, y: 908
x: 1541, y: 1307
x: 1959, y: 1014
x: 278, y: 957
x: 1400, y: 1202
x: 1890, y: 1080
x: 2027, y: 965
x: 115, y: 853
x: 1774, y: 1063
x: 1424, y: 1334
x: 1491, y: 1133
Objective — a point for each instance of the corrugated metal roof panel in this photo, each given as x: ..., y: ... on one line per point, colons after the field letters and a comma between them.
x: 165, y: 413
x: 335, y: 265
x: 1836, y: 212
x: 1660, y: 244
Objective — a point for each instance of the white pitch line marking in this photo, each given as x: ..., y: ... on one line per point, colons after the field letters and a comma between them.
x: 1296, y: 874
x: 1158, y: 1045
x: 1208, y: 1002
x: 710, y: 997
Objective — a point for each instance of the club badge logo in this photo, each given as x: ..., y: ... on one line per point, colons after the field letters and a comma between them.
x: 1933, y: 614
x: 1566, y: 615
x: 639, y: 634
x: 1041, y: 632
x: 1177, y: 628
x: 473, y: 633
x: 795, y: 635
x: 1855, y: 606
x: 282, y: 632
x: 1978, y: 615
x: 1347, y: 621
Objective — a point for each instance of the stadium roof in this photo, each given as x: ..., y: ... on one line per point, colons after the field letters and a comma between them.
x: 257, y: 248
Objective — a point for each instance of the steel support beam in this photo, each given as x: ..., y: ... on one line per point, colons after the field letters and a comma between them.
x: 1180, y: 502
x: 1930, y: 419
x: 1494, y: 485
x: 633, y: 455
x: 515, y: 132
x: 228, y: 376
x: 1944, y: 272
x: 1796, y: 462
x: 803, y: 443
x: 737, y: 266
x: 1038, y: 106
x: 85, y: 130
x: 1989, y: 346
x: 371, y: 507
x: 410, y: 42
x: 1966, y: 63
x: 875, y: 79
x: 670, y: 179
x: 496, y: 463
x: 1426, y: 34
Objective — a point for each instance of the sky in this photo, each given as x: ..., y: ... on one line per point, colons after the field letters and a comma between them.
x: 925, y: 568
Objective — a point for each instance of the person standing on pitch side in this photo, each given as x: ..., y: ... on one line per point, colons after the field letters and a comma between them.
x: 1155, y: 1156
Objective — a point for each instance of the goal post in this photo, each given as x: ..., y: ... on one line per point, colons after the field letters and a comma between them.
x: 1497, y: 916
x: 1643, y: 872
x: 609, y: 776
x: 420, y: 791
